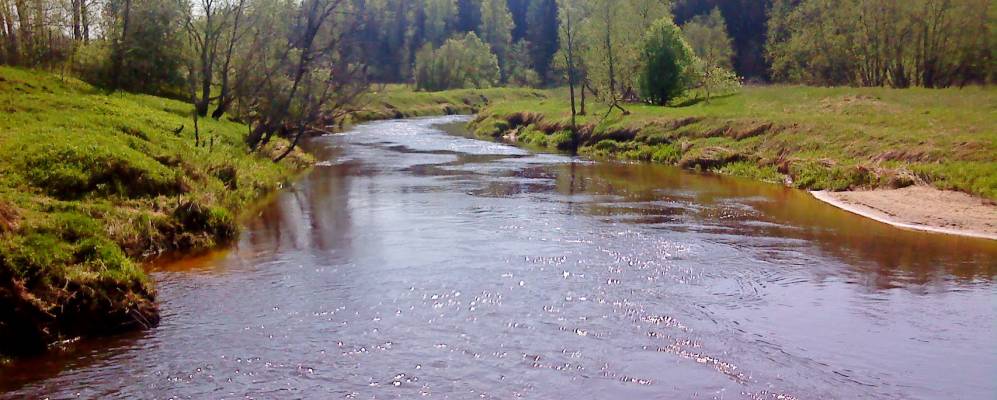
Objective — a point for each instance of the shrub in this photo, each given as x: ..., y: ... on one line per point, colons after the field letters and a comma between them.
x: 667, y: 63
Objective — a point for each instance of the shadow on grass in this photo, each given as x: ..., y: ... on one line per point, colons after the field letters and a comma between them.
x: 696, y: 100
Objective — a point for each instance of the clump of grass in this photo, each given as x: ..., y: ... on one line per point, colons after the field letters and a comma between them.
x: 821, y: 176
x: 666, y: 154
x: 751, y: 170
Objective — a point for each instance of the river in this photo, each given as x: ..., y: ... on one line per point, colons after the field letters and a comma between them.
x: 414, y: 261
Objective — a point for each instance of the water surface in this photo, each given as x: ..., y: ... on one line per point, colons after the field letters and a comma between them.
x: 413, y: 262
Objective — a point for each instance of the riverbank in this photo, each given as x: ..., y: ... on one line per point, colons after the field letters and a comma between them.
x: 811, y: 138
x: 921, y: 208
x: 402, y: 101
x: 93, y: 183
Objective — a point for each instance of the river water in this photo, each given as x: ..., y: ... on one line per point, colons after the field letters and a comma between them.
x: 415, y: 262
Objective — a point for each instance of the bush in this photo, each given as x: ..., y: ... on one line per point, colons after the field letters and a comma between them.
x: 459, y: 63
x: 667, y: 63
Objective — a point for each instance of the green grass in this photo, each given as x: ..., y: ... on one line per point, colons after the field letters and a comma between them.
x: 820, y: 138
x: 92, y: 182
x: 401, y: 101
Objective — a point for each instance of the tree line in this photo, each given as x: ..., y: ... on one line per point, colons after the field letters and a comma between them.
x: 279, y: 65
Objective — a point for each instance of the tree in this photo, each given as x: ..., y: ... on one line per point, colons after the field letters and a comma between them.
x: 439, y: 18
x: 542, y: 34
x: 468, y: 15
x: 931, y: 43
x: 496, y: 28
x: 667, y: 63
x: 570, y: 13
x: 519, y: 71
x: 235, y: 36
x: 317, y: 75
x: 460, y: 62
x: 204, y: 35
x: 746, y: 22
x: 146, y: 56
x: 707, y: 35
x: 606, y: 33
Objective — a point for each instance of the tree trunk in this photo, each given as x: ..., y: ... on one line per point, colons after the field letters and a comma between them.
x: 224, y: 97
x: 206, y: 67
x: 85, y: 20
x: 119, y: 52
x: 297, y: 136
x: 582, y: 87
x: 612, y: 68
x: 11, y: 45
x: 77, y: 28
x: 24, y: 24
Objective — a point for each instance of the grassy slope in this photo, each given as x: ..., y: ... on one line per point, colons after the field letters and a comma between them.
x: 89, y: 183
x: 820, y: 138
x: 400, y: 101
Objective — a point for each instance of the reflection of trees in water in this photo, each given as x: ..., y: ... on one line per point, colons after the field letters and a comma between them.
x: 878, y: 255
x: 313, y: 215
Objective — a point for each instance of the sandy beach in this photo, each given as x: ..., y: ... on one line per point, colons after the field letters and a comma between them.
x: 921, y: 208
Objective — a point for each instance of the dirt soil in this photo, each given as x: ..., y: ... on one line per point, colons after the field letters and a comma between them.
x: 921, y: 208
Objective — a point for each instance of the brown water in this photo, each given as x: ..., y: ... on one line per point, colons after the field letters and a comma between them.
x: 416, y: 263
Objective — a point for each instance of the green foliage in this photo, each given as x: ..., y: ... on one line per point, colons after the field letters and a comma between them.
x: 877, y: 43
x: 459, y: 63
x: 707, y: 36
x: 715, y: 80
x: 151, y: 51
x: 667, y: 64
x: 496, y: 27
x: 518, y: 70
x: 612, y: 33
x: 438, y: 20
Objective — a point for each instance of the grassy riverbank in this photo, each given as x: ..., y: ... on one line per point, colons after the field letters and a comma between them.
x: 401, y: 101
x: 813, y: 138
x: 91, y: 183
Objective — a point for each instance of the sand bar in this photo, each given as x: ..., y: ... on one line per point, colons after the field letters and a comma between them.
x: 921, y: 208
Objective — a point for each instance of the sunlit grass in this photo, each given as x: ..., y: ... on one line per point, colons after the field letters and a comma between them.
x: 823, y: 138
x: 93, y: 180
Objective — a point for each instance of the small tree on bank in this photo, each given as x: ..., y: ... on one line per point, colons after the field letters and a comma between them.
x: 707, y: 36
x: 667, y: 63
